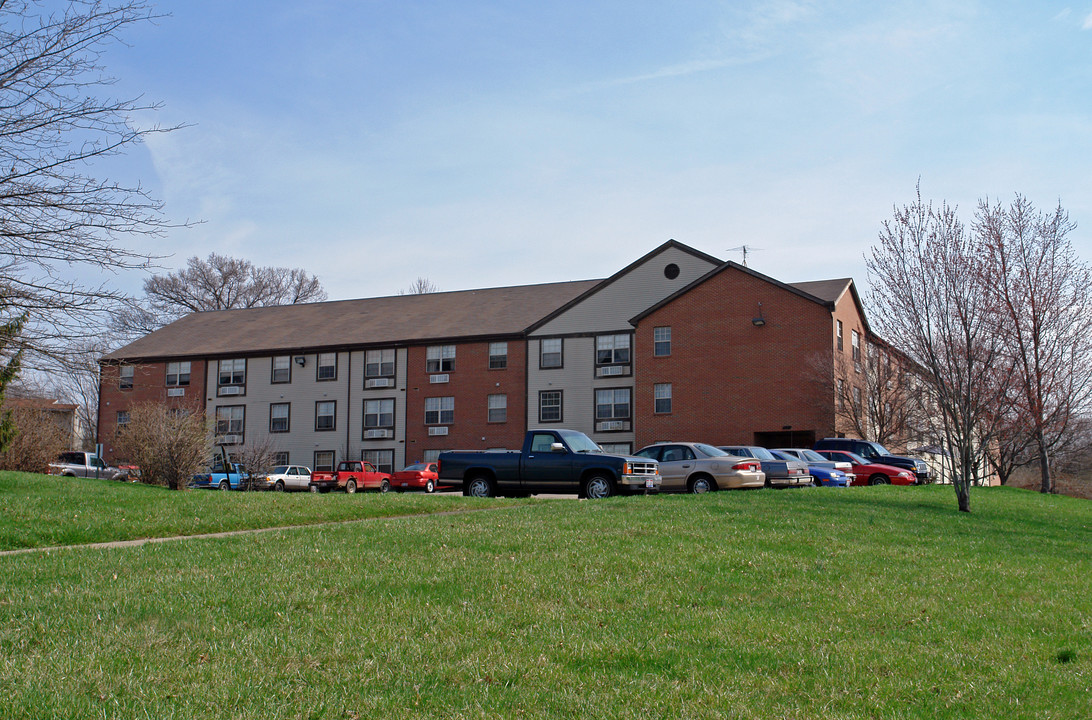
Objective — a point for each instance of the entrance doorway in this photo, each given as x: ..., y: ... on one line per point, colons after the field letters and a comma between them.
x: 786, y: 439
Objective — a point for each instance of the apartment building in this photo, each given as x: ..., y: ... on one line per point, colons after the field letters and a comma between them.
x: 677, y: 345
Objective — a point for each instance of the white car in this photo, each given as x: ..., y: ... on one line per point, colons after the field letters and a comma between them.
x: 288, y: 477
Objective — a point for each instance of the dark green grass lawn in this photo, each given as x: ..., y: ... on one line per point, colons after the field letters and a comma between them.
x: 818, y: 603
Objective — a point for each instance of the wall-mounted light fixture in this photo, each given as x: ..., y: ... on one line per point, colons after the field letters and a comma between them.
x: 759, y: 321
x: 301, y: 360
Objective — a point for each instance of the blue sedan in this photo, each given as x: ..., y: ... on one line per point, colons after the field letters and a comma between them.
x: 825, y: 476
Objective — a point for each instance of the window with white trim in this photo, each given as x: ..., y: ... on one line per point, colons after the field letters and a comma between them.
x: 326, y: 415
x: 440, y: 358
x: 617, y: 448
x: 326, y: 368
x: 280, y: 457
x: 662, y: 397
x: 122, y: 419
x: 661, y: 341
x: 232, y: 372
x: 324, y: 460
x: 178, y: 373
x: 125, y: 377
x: 379, y: 363
x: 439, y: 410
x: 498, y: 355
x: 282, y: 369
x: 431, y: 456
x: 278, y: 417
x: 856, y: 340
x: 230, y: 421
x: 551, y: 353
x: 838, y: 334
x: 497, y: 408
x: 612, y: 404
x: 379, y: 414
x: 549, y: 406
x: 381, y: 460
x: 612, y: 349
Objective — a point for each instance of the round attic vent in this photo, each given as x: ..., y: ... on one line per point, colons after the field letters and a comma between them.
x: 671, y: 271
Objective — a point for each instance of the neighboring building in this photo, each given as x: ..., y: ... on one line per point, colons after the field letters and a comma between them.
x: 63, y: 415
x: 678, y: 345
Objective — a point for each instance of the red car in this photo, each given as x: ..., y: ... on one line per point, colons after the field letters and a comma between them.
x: 870, y: 473
x: 420, y: 476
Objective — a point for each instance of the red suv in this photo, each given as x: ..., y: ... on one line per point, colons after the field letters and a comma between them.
x: 871, y: 473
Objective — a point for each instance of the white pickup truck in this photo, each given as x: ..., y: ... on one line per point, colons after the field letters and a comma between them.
x: 85, y: 464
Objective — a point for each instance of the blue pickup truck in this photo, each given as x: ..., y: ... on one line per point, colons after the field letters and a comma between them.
x: 560, y: 461
x: 223, y: 475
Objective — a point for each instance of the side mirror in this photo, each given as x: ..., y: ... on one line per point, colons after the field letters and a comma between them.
x: 557, y: 447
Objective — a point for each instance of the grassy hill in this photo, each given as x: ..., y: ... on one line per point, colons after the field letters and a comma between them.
x: 863, y: 603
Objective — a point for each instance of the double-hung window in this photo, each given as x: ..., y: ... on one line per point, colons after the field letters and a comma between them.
x: 856, y: 340
x: 282, y: 369
x: 838, y: 334
x: 661, y: 341
x: 498, y: 355
x: 178, y: 373
x: 325, y: 415
x: 612, y: 350
x: 612, y: 404
x: 379, y: 414
x: 551, y: 353
x: 662, y: 393
x: 327, y: 366
x: 233, y: 372
x: 125, y: 377
x: 278, y: 417
x: 549, y: 406
x: 230, y: 422
x: 497, y: 408
x: 379, y: 363
x: 381, y: 460
x: 439, y: 410
x: 440, y: 359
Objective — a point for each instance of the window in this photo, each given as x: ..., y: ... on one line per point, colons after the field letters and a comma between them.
x: 382, y: 460
x: 439, y: 410
x: 841, y: 394
x: 327, y: 366
x: 325, y: 411
x: 230, y: 421
x: 497, y: 408
x: 440, y: 358
x: 856, y: 340
x: 839, y: 335
x: 662, y: 392
x: 233, y: 372
x: 550, y: 353
x: 612, y: 349
x: 324, y: 460
x: 661, y: 340
x: 282, y: 369
x: 612, y: 404
x: 856, y: 398
x: 178, y: 373
x: 549, y: 406
x: 498, y: 355
x: 125, y: 377
x: 378, y: 414
x: 379, y: 363
x: 280, y: 457
x: 432, y: 456
x: 278, y: 417
x: 617, y: 448
x: 123, y: 419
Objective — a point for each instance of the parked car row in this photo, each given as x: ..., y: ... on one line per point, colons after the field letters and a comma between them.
x: 349, y: 477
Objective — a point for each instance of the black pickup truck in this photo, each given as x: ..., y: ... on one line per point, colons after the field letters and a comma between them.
x: 561, y: 461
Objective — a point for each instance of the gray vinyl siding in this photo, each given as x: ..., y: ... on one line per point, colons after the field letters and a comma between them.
x: 356, y: 416
x: 611, y: 307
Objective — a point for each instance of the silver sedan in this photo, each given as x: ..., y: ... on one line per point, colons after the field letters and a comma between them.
x: 699, y: 468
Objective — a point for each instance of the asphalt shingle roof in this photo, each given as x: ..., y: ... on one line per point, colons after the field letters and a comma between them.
x: 399, y: 319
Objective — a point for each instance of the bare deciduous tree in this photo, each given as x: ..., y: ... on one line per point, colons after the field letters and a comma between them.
x: 1044, y: 317
x: 218, y: 283
x: 931, y: 302
x: 37, y: 441
x: 421, y: 286
x: 57, y: 219
x: 257, y: 457
x: 169, y: 445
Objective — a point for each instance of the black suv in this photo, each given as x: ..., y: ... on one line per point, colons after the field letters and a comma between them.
x: 876, y: 453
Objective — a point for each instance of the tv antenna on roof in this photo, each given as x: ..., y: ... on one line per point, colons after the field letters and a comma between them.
x: 745, y: 249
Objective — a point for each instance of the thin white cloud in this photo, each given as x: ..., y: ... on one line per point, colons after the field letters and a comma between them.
x: 1087, y: 24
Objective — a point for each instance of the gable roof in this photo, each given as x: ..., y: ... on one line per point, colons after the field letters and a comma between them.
x: 393, y: 320
x: 833, y: 290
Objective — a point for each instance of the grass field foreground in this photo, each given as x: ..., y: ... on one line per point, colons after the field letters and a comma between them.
x: 818, y: 603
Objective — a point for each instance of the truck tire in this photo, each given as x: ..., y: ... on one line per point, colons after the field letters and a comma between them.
x: 479, y: 486
x: 598, y: 487
x: 350, y: 487
x: 224, y: 485
x: 385, y: 486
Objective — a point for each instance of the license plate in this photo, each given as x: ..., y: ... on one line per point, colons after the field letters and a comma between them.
x: 650, y: 484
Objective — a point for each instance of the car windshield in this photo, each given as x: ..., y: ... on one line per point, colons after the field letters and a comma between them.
x: 811, y: 456
x: 579, y: 442
x: 709, y: 450
x: 280, y: 470
x: 762, y: 453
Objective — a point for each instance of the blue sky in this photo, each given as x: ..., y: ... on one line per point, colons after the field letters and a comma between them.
x: 493, y: 143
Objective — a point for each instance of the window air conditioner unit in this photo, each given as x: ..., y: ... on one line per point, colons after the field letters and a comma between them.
x: 611, y: 425
x: 230, y: 390
x: 434, y: 431
x: 376, y: 434
x: 176, y: 392
x: 378, y: 382
x: 230, y: 439
x: 434, y: 379
x: 611, y: 370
